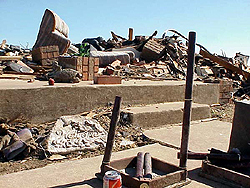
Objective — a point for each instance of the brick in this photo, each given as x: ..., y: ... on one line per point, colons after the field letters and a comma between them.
x: 96, y: 62
x: 152, y: 51
x: 84, y: 65
x: 96, y: 69
x: 50, y: 55
x: 45, y: 52
x: 225, y: 95
x: 85, y: 68
x: 226, y: 82
x: 224, y: 101
x: 107, y: 80
x: 226, y: 88
x: 85, y: 60
x: 56, y: 54
x: 91, y: 68
x: 71, y: 62
x: 85, y: 76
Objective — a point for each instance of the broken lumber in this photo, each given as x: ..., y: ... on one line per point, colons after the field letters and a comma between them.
x: 10, y: 58
x: 225, y: 64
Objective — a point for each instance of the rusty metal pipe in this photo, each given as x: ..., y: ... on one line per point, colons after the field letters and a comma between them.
x: 188, y: 101
x: 139, y: 164
x: 111, y: 134
x: 148, y: 166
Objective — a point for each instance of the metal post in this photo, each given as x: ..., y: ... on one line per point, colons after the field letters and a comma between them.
x: 111, y: 134
x: 188, y: 101
x: 148, y: 166
x: 139, y: 165
x: 130, y: 34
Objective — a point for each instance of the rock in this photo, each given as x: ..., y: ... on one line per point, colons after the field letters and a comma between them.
x: 125, y: 143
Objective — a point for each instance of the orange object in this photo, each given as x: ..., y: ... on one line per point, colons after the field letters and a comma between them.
x: 51, y: 81
x: 112, y: 179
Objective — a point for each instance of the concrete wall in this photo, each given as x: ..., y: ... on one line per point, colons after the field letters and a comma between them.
x: 48, y: 103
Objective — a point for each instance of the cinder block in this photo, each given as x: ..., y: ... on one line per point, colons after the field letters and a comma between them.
x: 107, y: 80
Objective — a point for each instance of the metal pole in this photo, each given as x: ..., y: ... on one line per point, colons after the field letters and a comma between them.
x: 111, y: 134
x: 139, y: 165
x: 130, y: 34
x: 148, y: 166
x: 188, y: 101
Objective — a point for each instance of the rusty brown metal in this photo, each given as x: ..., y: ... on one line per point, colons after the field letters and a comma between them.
x: 224, y: 175
x: 169, y: 174
x: 111, y: 134
x: 139, y: 165
x: 188, y: 101
x: 130, y: 34
x: 148, y: 166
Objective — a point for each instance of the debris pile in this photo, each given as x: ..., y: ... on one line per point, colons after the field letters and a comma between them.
x: 82, y: 135
x: 13, y: 144
x: 139, y: 57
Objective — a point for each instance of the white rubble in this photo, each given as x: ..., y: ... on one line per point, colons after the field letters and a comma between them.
x: 74, y: 133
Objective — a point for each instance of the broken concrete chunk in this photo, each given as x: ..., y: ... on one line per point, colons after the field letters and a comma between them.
x: 125, y: 143
x: 74, y: 133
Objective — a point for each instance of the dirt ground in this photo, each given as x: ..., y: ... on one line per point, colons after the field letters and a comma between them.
x: 125, y: 130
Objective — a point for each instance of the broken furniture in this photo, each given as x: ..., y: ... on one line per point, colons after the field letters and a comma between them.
x: 53, y: 31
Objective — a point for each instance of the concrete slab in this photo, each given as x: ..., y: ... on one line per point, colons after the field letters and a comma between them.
x: 81, y: 173
x: 39, y: 102
x: 203, y: 135
x: 156, y: 115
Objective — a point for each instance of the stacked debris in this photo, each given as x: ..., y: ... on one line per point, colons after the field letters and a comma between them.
x: 141, y: 57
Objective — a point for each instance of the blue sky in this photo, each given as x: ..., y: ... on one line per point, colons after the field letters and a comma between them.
x: 220, y: 24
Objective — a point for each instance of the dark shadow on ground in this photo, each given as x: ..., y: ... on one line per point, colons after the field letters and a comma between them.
x: 194, y: 175
x: 94, y: 182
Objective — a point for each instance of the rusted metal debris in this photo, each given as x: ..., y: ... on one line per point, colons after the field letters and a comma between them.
x: 188, y: 101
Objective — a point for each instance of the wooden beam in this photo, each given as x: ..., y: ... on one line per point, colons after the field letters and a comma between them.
x: 225, y: 64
